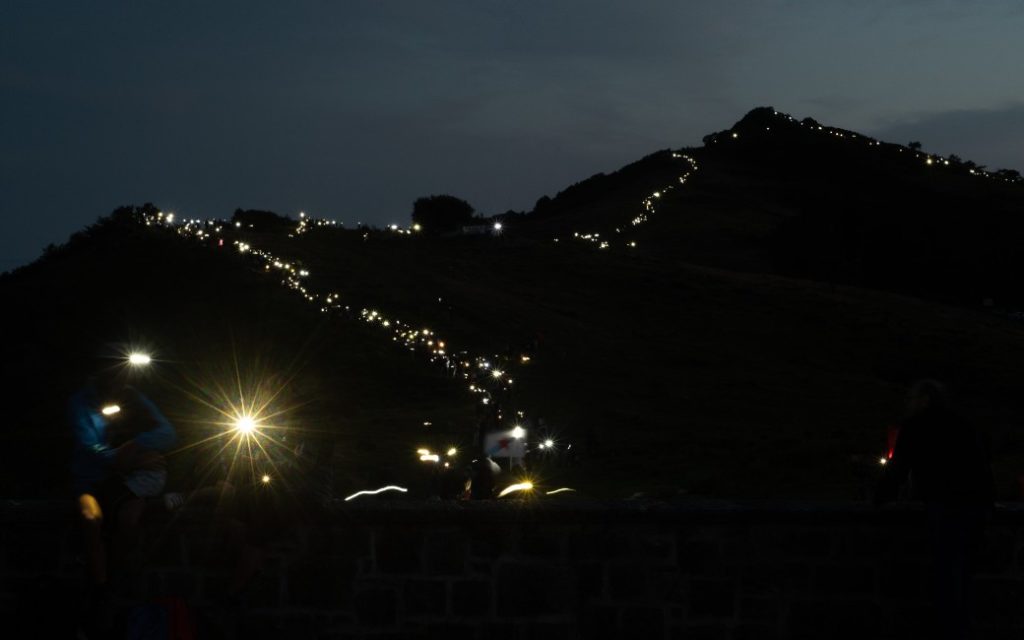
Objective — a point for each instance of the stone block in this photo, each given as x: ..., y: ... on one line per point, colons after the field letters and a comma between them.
x: 905, y: 620
x: 668, y: 585
x: 267, y: 625
x: 908, y: 542
x: 840, y: 619
x: 180, y: 583
x: 712, y: 599
x: 656, y: 546
x: 542, y: 545
x: 532, y: 589
x: 712, y: 631
x: 500, y: 631
x: 397, y: 551
x: 598, y: 622
x: 548, y: 631
x: 778, y: 577
x: 489, y: 543
x: 999, y: 602
x: 902, y: 581
x: 321, y: 582
x: 445, y: 553
x: 854, y: 543
x: 760, y: 609
x: 701, y: 558
x: 995, y: 554
x: 471, y: 598
x: 590, y: 580
x: 376, y: 607
x: 599, y: 544
x: 426, y: 598
x: 451, y: 631
x: 790, y: 541
x: 627, y: 582
x: 643, y: 622
x: 855, y: 579
x: 751, y: 631
x: 339, y: 542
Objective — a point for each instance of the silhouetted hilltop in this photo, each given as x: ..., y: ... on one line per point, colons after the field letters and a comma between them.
x: 693, y: 327
x: 795, y: 197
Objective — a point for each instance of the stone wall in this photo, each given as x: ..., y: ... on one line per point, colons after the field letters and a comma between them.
x: 557, y: 569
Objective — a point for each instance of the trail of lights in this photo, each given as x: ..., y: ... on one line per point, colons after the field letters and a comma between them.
x: 649, y: 208
x: 487, y: 381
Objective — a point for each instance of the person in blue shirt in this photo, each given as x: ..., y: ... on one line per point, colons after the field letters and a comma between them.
x: 120, y: 437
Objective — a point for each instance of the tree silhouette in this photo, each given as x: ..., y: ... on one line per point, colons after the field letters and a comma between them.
x: 438, y: 214
x: 261, y: 220
x: 914, y: 145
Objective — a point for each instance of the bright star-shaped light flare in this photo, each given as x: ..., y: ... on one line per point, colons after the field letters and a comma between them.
x: 245, y: 424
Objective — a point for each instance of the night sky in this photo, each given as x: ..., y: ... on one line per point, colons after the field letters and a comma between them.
x: 353, y: 109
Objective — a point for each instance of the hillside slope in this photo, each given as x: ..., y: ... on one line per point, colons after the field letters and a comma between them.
x: 700, y: 350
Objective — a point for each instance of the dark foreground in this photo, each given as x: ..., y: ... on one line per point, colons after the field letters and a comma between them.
x: 559, y: 569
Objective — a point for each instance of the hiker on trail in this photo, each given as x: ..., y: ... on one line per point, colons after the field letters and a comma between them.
x: 948, y: 465
x: 110, y: 482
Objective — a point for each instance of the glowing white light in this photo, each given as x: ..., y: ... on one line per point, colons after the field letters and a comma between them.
x: 883, y: 461
x: 452, y: 451
x: 110, y: 410
x: 390, y: 487
x: 549, y: 443
x: 497, y: 373
x: 430, y: 457
x: 512, y: 488
x: 497, y: 226
x: 518, y: 432
x: 139, y: 358
x: 423, y: 452
x: 265, y: 479
x: 245, y: 424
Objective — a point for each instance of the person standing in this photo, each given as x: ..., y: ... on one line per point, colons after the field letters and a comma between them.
x: 110, y: 482
x: 948, y: 465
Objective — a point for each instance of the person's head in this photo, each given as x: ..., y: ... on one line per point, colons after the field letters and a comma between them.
x: 926, y: 394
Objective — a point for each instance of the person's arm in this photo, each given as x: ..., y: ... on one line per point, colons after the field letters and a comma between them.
x: 160, y: 436
x: 897, y: 468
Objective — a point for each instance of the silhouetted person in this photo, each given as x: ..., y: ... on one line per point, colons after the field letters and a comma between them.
x: 117, y: 463
x: 949, y: 468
